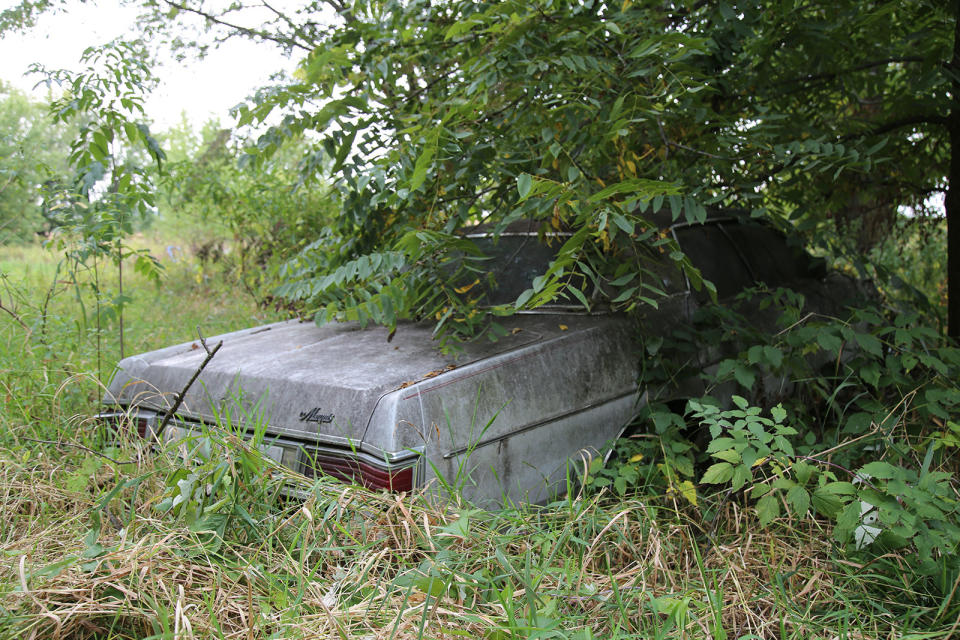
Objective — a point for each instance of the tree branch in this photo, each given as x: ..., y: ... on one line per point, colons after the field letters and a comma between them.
x: 13, y: 314
x: 297, y: 31
x: 930, y: 118
x: 251, y: 33
x: 186, y: 388
x: 839, y: 72
x: 342, y: 10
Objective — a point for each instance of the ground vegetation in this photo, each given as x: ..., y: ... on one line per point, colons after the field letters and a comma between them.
x: 809, y: 490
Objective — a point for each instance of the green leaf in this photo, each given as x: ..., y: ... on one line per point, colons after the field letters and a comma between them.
x: 744, y: 376
x: 829, y: 341
x: 850, y: 517
x: 523, y: 298
x: 871, y: 374
x: 524, y: 182
x: 880, y: 470
x: 729, y: 455
x: 803, y: 472
x: 54, y: 569
x: 773, y: 356
x: 640, y: 187
x: 620, y: 485
x: 346, y: 145
x: 779, y: 414
x: 799, y: 500
x: 869, y: 343
x: 582, y: 299
x: 768, y: 508
x: 718, y: 473
x: 622, y: 222
x: 462, y: 27
x: 718, y: 444
x: 826, y: 503
x: 742, y: 474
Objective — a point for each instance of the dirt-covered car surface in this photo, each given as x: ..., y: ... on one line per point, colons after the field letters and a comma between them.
x: 500, y: 420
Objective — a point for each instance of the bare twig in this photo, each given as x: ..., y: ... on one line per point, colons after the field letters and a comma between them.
x: 246, y: 31
x: 61, y: 443
x: 9, y: 310
x: 697, y: 151
x: 13, y: 314
x: 830, y: 75
x: 186, y: 388
x: 297, y: 31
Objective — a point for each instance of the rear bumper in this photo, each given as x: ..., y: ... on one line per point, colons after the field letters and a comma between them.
x: 395, y: 471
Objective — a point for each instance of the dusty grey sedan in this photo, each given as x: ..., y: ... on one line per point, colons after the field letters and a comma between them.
x: 499, y: 421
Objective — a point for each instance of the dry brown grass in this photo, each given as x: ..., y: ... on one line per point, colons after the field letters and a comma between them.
x: 346, y: 563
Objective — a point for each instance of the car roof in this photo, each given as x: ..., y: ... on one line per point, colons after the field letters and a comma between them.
x: 731, y: 248
x: 662, y: 219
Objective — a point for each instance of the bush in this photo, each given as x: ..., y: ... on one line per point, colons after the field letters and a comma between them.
x: 847, y: 420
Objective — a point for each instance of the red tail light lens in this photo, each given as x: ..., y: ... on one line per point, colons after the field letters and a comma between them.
x: 123, y: 423
x: 353, y: 470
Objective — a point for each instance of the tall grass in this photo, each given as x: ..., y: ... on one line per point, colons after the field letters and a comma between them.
x: 91, y: 547
x: 344, y: 562
x: 56, y: 350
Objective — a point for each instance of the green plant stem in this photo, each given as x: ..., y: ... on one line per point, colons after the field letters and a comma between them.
x: 120, y: 285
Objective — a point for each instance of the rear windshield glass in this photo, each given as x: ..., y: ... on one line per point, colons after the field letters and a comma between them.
x: 772, y: 260
x: 710, y: 251
x: 515, y: 260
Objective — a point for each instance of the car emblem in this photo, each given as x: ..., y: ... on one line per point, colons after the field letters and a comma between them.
x: 314, y: 415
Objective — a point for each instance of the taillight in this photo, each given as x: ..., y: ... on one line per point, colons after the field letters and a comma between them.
x: 353, y: 470
x: 137, y: 423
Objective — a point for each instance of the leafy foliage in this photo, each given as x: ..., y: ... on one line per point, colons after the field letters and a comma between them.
x: 861, y: 430
x: 31, y: 150
x: 213, y: 189
x: 600, y: 118
x: 92, y: 207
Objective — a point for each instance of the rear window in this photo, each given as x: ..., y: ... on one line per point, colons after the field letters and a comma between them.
x: 710, y: 251
x: 771, y: 258
x: 515, y: 260
x: 732, y: 255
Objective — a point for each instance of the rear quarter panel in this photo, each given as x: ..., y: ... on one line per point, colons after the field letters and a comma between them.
x: 506, y: 427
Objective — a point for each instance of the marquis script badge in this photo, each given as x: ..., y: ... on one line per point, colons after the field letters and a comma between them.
x: 314, y: 415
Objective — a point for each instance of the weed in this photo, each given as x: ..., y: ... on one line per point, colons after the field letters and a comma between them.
x: 208, y: 538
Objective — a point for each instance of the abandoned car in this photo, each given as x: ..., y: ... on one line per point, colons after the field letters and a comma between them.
x: 502, y: 420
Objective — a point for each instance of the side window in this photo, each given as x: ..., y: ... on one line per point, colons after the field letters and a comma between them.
x: 710, y: 251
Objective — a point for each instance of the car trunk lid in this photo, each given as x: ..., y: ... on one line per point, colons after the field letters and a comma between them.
x: 303, y: 380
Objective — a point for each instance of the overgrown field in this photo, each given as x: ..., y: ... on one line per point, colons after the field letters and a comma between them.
x: 113, y: 541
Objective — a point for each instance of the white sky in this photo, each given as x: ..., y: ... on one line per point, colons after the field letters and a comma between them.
x: 201, y: 88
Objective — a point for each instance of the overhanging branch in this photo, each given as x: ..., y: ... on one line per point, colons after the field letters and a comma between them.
x: 246, y: 31
x: 827, y: 75
x: 893, y: 125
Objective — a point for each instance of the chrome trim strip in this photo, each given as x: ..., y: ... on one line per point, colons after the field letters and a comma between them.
x: 518, y: 234
x: 340, y: 443
x: 370, y: 459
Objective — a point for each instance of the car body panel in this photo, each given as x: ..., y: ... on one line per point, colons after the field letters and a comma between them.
x: 353, y: 390
x: 498, y: 420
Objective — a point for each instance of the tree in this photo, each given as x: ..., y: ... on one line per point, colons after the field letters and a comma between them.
x: 826, y: 115
x: 596, y: 117
x: 260, y: 207
x: 92, y: 209
x: 32, y: 150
